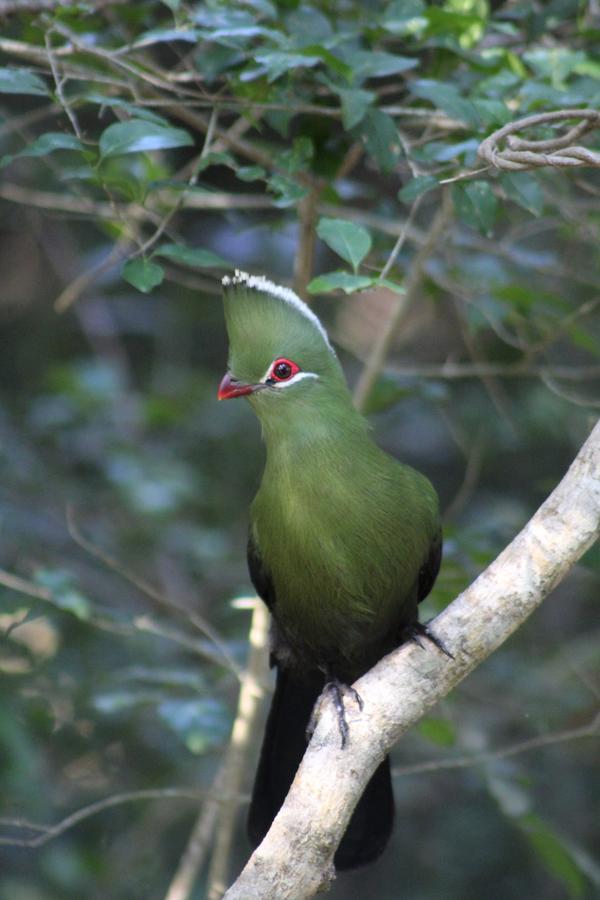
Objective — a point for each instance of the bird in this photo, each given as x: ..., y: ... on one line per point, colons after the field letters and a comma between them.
x: 344, y: 542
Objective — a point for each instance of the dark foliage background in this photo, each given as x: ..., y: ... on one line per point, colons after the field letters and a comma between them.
x: 146, y: 150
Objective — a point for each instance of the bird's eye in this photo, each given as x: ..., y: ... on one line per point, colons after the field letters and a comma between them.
x: 282, y: 370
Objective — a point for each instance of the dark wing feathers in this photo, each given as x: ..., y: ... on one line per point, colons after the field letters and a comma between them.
x: 430, y: 569
x: 259, y: 575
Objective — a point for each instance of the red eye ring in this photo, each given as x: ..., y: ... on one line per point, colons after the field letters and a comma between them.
x: 282, y: 369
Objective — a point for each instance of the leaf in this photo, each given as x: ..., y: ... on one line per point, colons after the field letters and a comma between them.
x: 376, y: 64
x: 64, y: 595
x: 46, y: 143
x: 139, y: 135
x: 161, y: 35
x: 136, y: 112
x: 475, y: 205
x: 523, y: 189
x: 355, y: 104
x: 417, y: 187
x: 380, y: 138
x: 438, y: 731
x: 446, y: 97
x: 21, y: 81
x: 250, y: 173
x: 351, y: 242
x: 400, y: 16
x: 554, y: 854
x: 201, y: 724
x: 143, y: 274
x: 333, y: 281
x: 194, y: 257
x: 288, y: 191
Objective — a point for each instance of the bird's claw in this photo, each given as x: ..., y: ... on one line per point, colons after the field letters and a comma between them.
x: 417, y: 630
x: 336, y: 689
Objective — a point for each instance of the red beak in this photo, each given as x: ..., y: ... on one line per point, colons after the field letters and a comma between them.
x: 229, y: 388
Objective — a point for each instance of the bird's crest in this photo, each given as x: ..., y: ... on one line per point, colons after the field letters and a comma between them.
x: 244, y: 283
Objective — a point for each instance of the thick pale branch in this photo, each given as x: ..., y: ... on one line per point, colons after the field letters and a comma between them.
x: 295, y: 859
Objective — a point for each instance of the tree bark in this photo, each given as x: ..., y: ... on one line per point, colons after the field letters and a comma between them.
x: 295, y: 859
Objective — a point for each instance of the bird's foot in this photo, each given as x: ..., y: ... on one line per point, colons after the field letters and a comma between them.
x: 417, y: 630
x: 336, y: 690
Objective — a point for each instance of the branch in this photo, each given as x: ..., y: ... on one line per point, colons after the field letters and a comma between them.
x: 295, y: 858
x: 558, y: 151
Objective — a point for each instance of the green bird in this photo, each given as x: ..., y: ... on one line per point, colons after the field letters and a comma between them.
x: 344, y: 541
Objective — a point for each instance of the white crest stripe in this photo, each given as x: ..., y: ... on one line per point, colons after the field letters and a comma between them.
x: 260, y: 283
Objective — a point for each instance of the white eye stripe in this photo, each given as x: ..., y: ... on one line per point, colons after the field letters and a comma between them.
x: 284, y: 384
x: 297, y: 377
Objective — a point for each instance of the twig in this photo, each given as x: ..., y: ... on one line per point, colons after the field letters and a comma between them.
x: 198, y: 843
x: 249, y: 705
x: 142, y: 585
x: 49, y: 832
x: 380, y: 350
x: 303, y: 260
x: 458, y: 371
x: 58, y: 82
x: 592, y: 729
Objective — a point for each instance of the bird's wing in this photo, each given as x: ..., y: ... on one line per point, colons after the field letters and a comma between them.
x: 430, y: 569
x: 259, y: 574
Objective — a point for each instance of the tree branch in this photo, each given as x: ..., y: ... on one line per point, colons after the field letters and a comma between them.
x: 295, y: 858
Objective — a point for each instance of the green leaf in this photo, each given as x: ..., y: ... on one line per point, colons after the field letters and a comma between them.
x: 351, y: 242
x: 446, y: 97
x: 21, y: 81
x: 475, y: 205
x: 287, y: 191
x: 201, y: 724
x: 380, y: 136
x: 195, y: 257
x: 143, y: 274
x: 162, y: 35
x: 555, y: 855
x: 64, y: 595
x: 250, y: 173
x: 46, y: 143
x: 355, y: 104
x: 390, y: 285
x: 403, y: 16
x: 139, y: 135
x: 523, y: 189
x: 438, y: 731
x: 334, y: 281
x: 136, y: 112
x: 417, y: 187
x: 376, y: 64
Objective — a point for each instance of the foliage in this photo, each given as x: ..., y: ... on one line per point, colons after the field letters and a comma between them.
x: 147, y: 148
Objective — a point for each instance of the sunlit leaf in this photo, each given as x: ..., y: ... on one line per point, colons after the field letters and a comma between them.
x: 195, y: 257
x: 21, y: 81
x: 139, y: 135
x: 143, y: 274
x: 351, y: 242
x: 334, y: 281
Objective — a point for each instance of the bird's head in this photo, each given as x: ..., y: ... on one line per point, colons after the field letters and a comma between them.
x: 279, y: 352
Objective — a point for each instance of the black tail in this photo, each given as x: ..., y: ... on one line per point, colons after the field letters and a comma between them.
x: 282, y: 750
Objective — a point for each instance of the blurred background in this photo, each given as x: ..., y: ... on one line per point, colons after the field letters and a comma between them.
x: 125, y: 486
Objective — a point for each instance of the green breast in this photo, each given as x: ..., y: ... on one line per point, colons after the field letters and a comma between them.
x: 343, y: 536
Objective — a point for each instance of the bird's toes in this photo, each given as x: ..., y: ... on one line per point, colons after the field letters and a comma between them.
x: 417, y: 630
